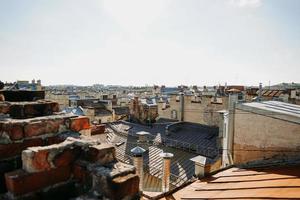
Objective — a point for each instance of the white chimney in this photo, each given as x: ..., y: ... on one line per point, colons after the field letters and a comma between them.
x: 138, y: 163
x: 200, y: 163
x: 166, y: 171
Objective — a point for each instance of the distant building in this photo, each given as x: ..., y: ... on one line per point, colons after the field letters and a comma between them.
x: 143, y: 110
x: 192, y: 108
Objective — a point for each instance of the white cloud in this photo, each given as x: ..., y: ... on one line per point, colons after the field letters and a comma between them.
x: 246, y: 3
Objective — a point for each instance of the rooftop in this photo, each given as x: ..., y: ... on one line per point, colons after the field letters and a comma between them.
x: 237, y: 183
x: 276, y: 109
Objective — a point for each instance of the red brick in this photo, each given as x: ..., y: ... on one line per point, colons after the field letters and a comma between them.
x: 54, y: 140
x: 14, y: 149
x: 53, y: 125
x: 22, y: 110
x: 126, y: 186
x: 4, y: 107
x: 40, y: 160
x: 102, y: 154
x: 67, y: 157
x: 79, y: 123
x: 35, y: 129
x: 98, y: 129
x: 13, y: 129
x: 20, y: 182
x: 80, y: 172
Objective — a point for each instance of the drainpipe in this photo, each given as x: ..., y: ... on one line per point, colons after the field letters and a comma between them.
x: 166, y: 171
x: 233, y: 99
x: 138, y: 163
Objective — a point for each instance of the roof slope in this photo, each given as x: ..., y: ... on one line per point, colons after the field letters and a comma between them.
x: 236, y: 183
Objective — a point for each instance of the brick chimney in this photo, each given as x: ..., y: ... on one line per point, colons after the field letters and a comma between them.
x: 166, y: 171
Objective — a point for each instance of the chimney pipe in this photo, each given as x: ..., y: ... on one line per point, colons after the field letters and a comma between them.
x: 166, y: 171
x: 138, y: 163
x: 182, y: 106
x: 142, y: 140
x: 259, y: 92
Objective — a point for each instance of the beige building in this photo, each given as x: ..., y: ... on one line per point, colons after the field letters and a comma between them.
x: 192, y: 108
x: 142, y: 111
x: 261, y: 132
x: 61, y: 99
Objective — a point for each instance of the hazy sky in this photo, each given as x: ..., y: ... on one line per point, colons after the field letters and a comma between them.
x: 138, y: 42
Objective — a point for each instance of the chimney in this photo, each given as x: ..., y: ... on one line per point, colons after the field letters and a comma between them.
x: 143, y: 139
x: 182, y: 106
x: 259, y: 92
x: 200, y: 163
x: 138, y: 163
x: 166, y: 171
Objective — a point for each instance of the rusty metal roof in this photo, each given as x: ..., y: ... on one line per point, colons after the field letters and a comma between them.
x: 237, y: 183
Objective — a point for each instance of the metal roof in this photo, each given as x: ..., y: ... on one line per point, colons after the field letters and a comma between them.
x: 276, y: 109
x: 237, y: 183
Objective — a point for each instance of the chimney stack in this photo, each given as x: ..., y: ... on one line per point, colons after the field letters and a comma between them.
x: 166, y: 171
x: 182, y: 106
x: 138, y: 163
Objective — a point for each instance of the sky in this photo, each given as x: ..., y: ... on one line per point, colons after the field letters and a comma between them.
x: 146, y: 42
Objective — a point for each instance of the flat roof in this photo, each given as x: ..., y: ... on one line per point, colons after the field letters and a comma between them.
x: 236, y: 183
x: 276, y: 109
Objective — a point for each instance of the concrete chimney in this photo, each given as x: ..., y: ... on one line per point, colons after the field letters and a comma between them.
x: 200, y: 163
x: 138, y: 163
x: 166, y: 171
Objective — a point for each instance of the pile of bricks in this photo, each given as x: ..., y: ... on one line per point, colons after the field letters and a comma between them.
x: 45, y: 154
x: 85, y: 164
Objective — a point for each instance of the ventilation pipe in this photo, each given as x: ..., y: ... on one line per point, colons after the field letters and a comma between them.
x: 166, y: 171
x: 143, y: 139
x: 138, y: 163
x: 182, y: 106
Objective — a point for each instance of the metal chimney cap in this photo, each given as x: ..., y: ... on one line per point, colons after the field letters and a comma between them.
x: 166, y: 155
x: 137, y: 151
x: 142, y: 133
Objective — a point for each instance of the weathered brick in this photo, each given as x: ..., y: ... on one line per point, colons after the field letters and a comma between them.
x: 67, y: 157
x: 125, y: 187
x: 35, y: 128
x: 14, y: 149
x: 98, y: 129
x: 82, y: 174
x: 14, y: 130
x: 117, y: 181
x: 101, y: 154
x: 37, y: 159
x: 79, y: 123
x: 20, y: 182
x: 4, y: 107
x: 22, y: 110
